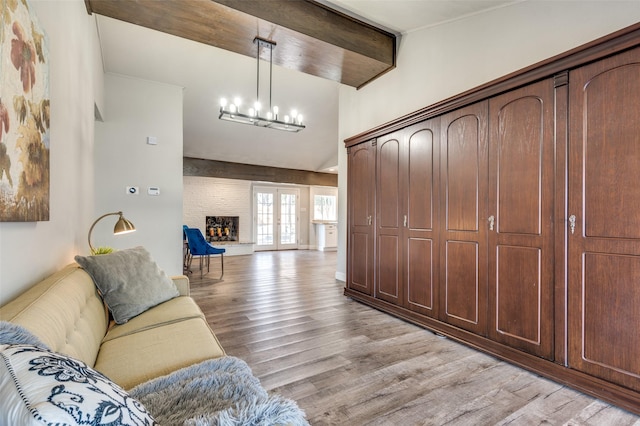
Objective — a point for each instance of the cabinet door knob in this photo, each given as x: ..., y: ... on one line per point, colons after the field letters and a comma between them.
x: 491, y: 220
x: 572, y: 223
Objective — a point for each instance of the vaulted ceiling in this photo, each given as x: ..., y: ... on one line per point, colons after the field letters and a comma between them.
x: 207, y: 47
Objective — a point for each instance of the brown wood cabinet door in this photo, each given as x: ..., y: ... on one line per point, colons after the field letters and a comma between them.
x: 361, y: 217
x: 464, y: 183
x: 420, y: 238
x: 604, y: 198
x: 389, y: 219
x: 521, y: 189
x: 406, y: 240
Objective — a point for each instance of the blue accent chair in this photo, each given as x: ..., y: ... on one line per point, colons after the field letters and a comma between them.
x: 199, y: 246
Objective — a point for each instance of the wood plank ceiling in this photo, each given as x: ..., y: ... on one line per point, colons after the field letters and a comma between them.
x: 309, y: 36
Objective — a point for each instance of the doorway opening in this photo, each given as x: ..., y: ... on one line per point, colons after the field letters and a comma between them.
x: 276, y: 218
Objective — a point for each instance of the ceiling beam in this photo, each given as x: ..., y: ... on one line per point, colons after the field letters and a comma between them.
x: 222, y: 169
x: 309, y: 36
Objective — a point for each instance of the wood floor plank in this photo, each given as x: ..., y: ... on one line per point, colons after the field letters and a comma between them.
x: 348, y: 364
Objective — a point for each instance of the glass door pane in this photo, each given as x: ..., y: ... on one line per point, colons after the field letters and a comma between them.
x: 288, y: 219
x: 264, y: 219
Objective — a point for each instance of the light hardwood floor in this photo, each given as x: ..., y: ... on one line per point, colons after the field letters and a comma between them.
x: 348, y: 364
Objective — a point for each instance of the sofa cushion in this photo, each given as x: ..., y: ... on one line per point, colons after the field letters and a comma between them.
x: 64, y: 311
x: 135, y: 358
x: 129, y: 280
x: 178, y: 309
x: 42, y: 387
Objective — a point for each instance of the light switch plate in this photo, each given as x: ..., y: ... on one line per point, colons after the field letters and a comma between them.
x: 153, y: 190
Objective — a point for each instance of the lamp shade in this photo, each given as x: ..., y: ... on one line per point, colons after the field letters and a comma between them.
x: 123, y: 226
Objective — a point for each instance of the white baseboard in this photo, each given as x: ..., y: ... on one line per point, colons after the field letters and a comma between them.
x: 341, y: 276
x: 237, y: 249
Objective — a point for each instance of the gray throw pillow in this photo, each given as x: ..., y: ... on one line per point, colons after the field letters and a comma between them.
x: 130, y: 281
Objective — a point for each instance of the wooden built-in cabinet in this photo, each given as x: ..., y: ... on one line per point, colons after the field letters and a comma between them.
x: 508, y: 218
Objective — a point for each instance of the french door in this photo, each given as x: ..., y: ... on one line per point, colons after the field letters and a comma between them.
x: 276, y: 212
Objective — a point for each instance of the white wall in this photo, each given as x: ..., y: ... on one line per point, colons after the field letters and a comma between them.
x: 134, y: 110
x: 436, y: 63
x: 31, y: 251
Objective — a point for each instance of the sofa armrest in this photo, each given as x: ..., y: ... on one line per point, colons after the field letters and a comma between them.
x: 182, y: 282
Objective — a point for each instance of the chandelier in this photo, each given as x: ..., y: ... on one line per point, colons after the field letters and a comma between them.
x: 256, y: 115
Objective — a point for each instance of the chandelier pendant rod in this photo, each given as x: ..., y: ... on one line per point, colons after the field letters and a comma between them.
x: 260, y: 43
x: 258, y: 72
x: 270, y: 74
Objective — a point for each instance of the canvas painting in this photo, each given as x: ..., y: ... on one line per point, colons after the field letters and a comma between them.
x: 24, y: 115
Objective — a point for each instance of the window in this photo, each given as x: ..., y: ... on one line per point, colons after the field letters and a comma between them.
x: 324, y: 207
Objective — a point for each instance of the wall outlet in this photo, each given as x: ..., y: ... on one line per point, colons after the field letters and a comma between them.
x: 133, y: 190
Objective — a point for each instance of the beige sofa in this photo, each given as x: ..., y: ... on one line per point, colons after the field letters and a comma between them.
x: 66, y: 312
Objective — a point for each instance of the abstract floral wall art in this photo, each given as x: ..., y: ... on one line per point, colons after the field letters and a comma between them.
x: 24, y: 115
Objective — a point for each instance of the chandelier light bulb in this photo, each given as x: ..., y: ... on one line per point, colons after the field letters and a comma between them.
x: 237, y: 101
x: 233, y: 108
x: 294, y: 113
x: 252, y: 112
x: 257, y: 106
x: 223, y: 102
x: 269, y: 115
x: 299, y: 118
x: 275, y: 111
x: 286, y: 118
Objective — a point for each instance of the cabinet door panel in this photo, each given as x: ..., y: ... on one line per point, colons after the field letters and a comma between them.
x: 463, y: 172
x: 608, y: 336
x: 464, y: 179
x: 389, y: 268
x: 518, y: 293
x: 604, y: 247
x: 389, y: 222
x: 361, y: 217
x: 521, y: 129
x: 420, y: 274
x: 612, y: 208
x: 421, y: 179
x: 389, y: 183
x: 463, y: 300
x: 359, y: 255
x: 521, y: 191
x: 361, y: 184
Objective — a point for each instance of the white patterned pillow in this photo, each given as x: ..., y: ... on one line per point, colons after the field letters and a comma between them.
x: 42, y: 387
